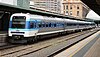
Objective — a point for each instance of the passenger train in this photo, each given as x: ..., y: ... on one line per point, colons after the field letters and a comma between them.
x: 25, y: 28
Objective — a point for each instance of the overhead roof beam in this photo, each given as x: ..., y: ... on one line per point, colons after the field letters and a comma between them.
x: 93, y: 4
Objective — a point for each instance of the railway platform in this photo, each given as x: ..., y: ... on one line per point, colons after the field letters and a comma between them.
x: 3, y: 35
x: 90, y: 47
x: 94, y: 51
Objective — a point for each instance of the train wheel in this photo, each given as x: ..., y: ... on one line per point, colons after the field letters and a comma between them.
x: 30, y: 40
x: 37, y: 37
x: 60, y: 33
x: 81, y: 30
x: 33, y: 40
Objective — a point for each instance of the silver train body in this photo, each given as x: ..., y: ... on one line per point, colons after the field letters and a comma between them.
x: 27, y: 27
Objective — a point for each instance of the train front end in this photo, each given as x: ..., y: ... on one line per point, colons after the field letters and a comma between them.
x: 18, y: 29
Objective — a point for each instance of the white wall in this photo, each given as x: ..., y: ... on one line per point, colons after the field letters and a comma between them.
x: 0, y: 0
x: 11, y: 2
x: 31, y: 3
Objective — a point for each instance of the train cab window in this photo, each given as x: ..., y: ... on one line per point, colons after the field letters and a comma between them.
x: 18, y: 22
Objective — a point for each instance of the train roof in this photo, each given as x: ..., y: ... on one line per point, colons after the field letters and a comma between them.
x: 18, y: 14
x: 50, y: 18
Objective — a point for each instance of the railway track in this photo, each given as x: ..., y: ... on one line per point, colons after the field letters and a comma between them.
x: 7, y: 46
x: 24, y: 50
x: 55, y: 48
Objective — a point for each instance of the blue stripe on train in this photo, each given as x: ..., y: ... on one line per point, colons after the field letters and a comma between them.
x: 11, y: 29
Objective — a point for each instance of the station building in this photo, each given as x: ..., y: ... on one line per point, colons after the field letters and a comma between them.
x: 50, y: 5
x: 75, y: 8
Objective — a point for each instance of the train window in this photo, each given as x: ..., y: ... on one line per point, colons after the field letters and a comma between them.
x: 39, y: 25
x: 43, y: 24
x: 74, y: 24
x: 46, y: 24
x: 69, y: 24
x: 58, y: 25
x: 49, y: 24
x: 62, y: 24
x: 31, y: 25
x: 18, y: 18
x: 54, y: 25
x: 65, y: 24
x: 81, y: 24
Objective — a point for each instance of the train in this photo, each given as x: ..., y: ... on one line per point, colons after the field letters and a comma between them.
x: 24, y: 28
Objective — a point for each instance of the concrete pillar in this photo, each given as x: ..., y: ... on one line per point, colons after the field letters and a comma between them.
x: 23, y: 3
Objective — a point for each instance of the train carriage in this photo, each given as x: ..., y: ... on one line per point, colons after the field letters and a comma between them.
x: 26, y: 27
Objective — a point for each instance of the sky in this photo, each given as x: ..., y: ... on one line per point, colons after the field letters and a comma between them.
x: 93, y: 15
